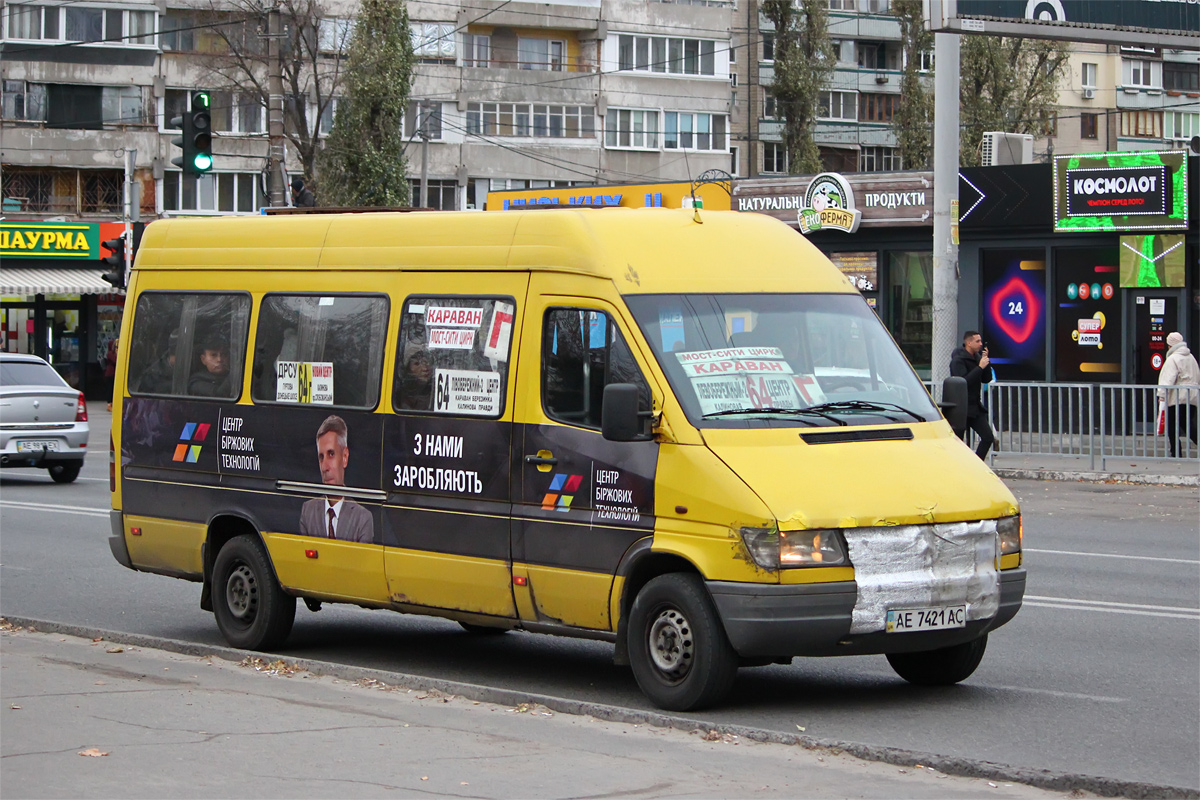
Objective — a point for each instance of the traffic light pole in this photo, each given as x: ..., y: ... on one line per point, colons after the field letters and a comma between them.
x: 945, y: 197
x: 130, y: 161
x: 275, y: 158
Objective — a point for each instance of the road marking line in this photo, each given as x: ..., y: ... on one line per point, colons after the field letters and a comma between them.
x: 1114, y: 555
x: 90, y: 512
x: 1110, y: 603
x: 1192, y: 615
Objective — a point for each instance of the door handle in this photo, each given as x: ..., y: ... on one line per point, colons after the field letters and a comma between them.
x: 540, y: 459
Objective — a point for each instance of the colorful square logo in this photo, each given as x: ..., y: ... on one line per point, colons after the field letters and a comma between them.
x: 561, y: 492
x: 187, y: 451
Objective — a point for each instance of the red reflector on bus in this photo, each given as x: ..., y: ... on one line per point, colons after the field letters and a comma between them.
x: 520, y: 580
x: 310, y: 553
x: 135, y: 531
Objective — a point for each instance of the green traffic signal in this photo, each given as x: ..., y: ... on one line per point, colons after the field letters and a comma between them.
x: 201, y: 99
x: 203, y: 162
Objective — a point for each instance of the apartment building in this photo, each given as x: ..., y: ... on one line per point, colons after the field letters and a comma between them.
x: 854, y: 132
x: 507, y: 94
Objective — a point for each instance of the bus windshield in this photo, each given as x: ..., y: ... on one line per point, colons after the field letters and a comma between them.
x: 809, y: 359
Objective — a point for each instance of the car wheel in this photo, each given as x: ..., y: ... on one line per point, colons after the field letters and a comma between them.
x: 65, y: 471
x: 252, y: 610
x: 678, y: 650
x: 943, y: 667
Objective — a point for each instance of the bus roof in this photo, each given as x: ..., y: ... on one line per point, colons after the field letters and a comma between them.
x: 651, y: 250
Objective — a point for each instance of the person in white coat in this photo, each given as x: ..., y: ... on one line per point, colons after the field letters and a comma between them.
x: 1179, y: 369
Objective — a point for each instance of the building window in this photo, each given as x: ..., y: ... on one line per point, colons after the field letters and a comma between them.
x: 1088, y: 127
x: 667, y: 55
x: 547, y: 54
x: 63, y: 23
x: 1182, y: 125
x: 770, y: 106
x: 226, y: 192
x: 1088, y: 76
x: 879, y: 159
x: 926, y: 64
x: 525, y: 119
x: 878, y: 6
x: 333, y: 34
x: 441, y: 194
x: 877, y: 107
x: 768, y: 47
x: 838, y: 105
x: 632, y: 128
x: 24, y: 101
x: 843, y: 5
x: 1181, y: 77
x: 251, y: 114
x: 325, y: 121
x: 1142, y: 124
x: 774, y: 158
x: 684, y: 131
x: 872, y: 55
x: 1140, y: 73
x: 433, y: 41
x: 430, y: 115
x: 477, y: 50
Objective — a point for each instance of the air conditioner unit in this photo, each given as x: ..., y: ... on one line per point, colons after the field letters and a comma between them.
x: 1088, y: 93
x: 1001, y: 148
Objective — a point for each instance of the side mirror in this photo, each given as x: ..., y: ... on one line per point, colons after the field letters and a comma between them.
x: 620, y: 420
x: 954, y: 403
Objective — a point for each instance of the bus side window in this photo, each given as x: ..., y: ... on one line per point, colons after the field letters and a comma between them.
x: 582, y: 352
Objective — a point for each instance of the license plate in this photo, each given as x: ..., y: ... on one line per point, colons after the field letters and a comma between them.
x: 904, y: 620
x: 36, y: 444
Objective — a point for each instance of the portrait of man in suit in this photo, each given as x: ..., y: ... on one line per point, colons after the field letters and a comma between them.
x: 335, y: 517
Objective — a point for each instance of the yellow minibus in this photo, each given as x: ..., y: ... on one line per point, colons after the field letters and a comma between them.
x: 682, y: 432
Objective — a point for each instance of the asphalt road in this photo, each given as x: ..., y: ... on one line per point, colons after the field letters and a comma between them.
x: 1097, y: 675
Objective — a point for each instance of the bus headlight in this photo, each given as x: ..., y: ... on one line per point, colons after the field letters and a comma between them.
x: 772, y: 549
x: 1010, y: 531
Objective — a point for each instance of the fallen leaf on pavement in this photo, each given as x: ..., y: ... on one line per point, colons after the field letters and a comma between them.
x: 115, y: 650
x: 93, y: 752
x: 15, y: 707
x: 801, y: 728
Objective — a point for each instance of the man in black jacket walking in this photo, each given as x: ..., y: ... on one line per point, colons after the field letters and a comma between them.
x: 971, y: 362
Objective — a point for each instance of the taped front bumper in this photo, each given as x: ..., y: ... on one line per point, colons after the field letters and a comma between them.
x: 814, y: 620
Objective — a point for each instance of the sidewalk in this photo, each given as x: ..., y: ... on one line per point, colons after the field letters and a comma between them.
x: 1079, y: 468
x: 93, y: 718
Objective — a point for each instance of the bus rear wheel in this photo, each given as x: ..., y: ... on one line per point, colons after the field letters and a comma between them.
x: 252, y: 610
x: 943, y: 667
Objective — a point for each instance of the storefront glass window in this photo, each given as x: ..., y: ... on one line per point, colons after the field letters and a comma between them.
x: 910, y: 287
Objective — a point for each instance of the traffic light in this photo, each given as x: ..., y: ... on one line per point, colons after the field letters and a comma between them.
x: 116, y: 262
x: 196, y: 141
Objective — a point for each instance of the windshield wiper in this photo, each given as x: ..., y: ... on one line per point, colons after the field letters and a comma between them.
x: 772, y: 410
x: 866, y: 405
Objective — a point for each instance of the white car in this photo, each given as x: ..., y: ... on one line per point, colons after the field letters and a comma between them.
x: 43, y: 421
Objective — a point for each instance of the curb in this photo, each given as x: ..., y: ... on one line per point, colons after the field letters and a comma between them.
x: 1038, y: 474
x: 963, y: 767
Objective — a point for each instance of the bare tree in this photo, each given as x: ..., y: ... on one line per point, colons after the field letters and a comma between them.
x: 804, y: 60
x: 913, y: 120
x: 1007, y: 85
x: 312, y: 63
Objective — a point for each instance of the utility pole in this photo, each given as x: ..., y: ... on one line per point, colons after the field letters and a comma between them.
x: 132, y: 206
x: 276, y: 149
x: 423, y: 123
x: 945, y: 192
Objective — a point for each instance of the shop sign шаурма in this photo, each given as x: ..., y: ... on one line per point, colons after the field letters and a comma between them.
x: 77, y: 240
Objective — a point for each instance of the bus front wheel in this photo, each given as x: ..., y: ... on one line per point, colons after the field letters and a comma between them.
x: 678, y: 649
x: 943, y: 667
x: 252, y: 610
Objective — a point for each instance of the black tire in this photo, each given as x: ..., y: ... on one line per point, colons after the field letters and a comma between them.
x: 481, y: 630
x: 64, y: 471
x: 678, y: 650
x: 252, y: 610
x: 943, y: 667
